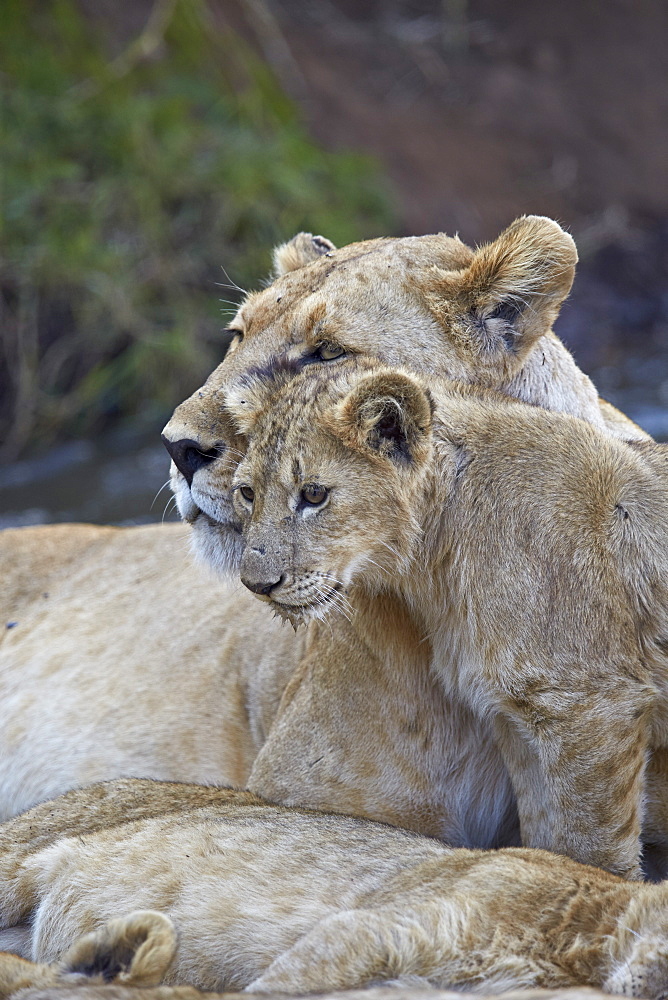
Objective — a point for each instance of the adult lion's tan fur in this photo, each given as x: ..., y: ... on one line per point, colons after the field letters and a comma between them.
x: 273, y: 900
x: 124, y: 661
x: 138, y: 662
x: 192, y: 685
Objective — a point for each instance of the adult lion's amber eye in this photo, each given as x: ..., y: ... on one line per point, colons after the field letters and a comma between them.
x: 328, y: 351
x: 247, y: 493
x: 234, y: 338
x: 314, y: 494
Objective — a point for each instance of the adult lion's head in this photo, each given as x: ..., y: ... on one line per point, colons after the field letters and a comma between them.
x: 429, y: 304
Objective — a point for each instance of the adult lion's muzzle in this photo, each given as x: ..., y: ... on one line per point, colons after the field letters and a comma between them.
x: 188, y: 455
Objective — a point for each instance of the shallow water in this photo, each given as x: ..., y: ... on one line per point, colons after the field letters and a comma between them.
x: 104, y: 483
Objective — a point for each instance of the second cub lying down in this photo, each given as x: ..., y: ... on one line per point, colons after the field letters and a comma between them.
x: 269, y: 898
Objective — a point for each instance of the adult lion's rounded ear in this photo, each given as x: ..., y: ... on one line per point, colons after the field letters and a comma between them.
x: 389, y: 414
x: 511, y: 292
x: 302, y: 249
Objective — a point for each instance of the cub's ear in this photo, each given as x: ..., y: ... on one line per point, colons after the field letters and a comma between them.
x: 510, y: 294
x: 388, y: 414
x: 136, y: 950
x: 302, y: 249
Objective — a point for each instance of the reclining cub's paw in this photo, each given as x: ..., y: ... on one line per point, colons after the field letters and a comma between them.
x: 136, y: 950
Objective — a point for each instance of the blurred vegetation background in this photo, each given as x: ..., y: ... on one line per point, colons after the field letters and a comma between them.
x: 153, y: 151
x: 128, y: 183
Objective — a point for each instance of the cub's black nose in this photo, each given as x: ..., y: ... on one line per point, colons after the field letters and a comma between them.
x: 188, y: 456
x: 262, y: 587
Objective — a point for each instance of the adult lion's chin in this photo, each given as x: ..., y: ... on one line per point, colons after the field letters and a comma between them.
x: 218, y: 544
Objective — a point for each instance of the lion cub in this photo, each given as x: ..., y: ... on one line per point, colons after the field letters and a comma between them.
x: 531, y: 548
x: 273, y: 899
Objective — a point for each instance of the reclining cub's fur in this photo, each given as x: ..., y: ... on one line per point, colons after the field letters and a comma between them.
x: 135, y: 950
x: 276, y: 900
x: 529, y: 547
x: 126, y: 659
x: 115, y: 992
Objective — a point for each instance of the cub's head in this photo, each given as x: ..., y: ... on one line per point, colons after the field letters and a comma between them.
x: 330, y: 489
x: 428, y: 304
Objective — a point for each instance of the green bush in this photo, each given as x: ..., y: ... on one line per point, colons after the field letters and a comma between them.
x: 126, y: 184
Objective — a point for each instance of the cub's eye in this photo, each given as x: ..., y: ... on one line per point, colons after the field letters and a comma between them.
x: 314, y: 494
x: 327, y: 351
x: 247, y: 493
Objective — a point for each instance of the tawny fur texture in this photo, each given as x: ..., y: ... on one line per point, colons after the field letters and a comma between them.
x: 127, y: 658
x: 271, y: 899
x: 428, y: 303
x: 114, y: 992
x: 138, y: 662
x: 133, y: 951
x: 529, y: 551
x: 124, y: 658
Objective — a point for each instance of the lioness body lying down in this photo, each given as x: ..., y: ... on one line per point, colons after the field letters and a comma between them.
x: 126, y: 658
x: 191, y: 686
x: 271, y: 899
x: 136, y: 663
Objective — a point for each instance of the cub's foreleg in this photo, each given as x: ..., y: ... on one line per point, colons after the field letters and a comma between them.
x: 577, y: 764
x: 19, y: 895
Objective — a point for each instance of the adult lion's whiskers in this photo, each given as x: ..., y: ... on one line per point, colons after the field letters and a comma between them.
x: 232, y: 284
x: 172, y: 500
x: 158, y: 493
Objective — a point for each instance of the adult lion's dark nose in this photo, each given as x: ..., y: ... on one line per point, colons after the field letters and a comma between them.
x: 188, y: 456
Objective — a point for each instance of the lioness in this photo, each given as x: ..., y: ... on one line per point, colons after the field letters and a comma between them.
x: 266, y: 899
x: 429, y: 303
x: 529, y: 549
x: 123, y: 658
